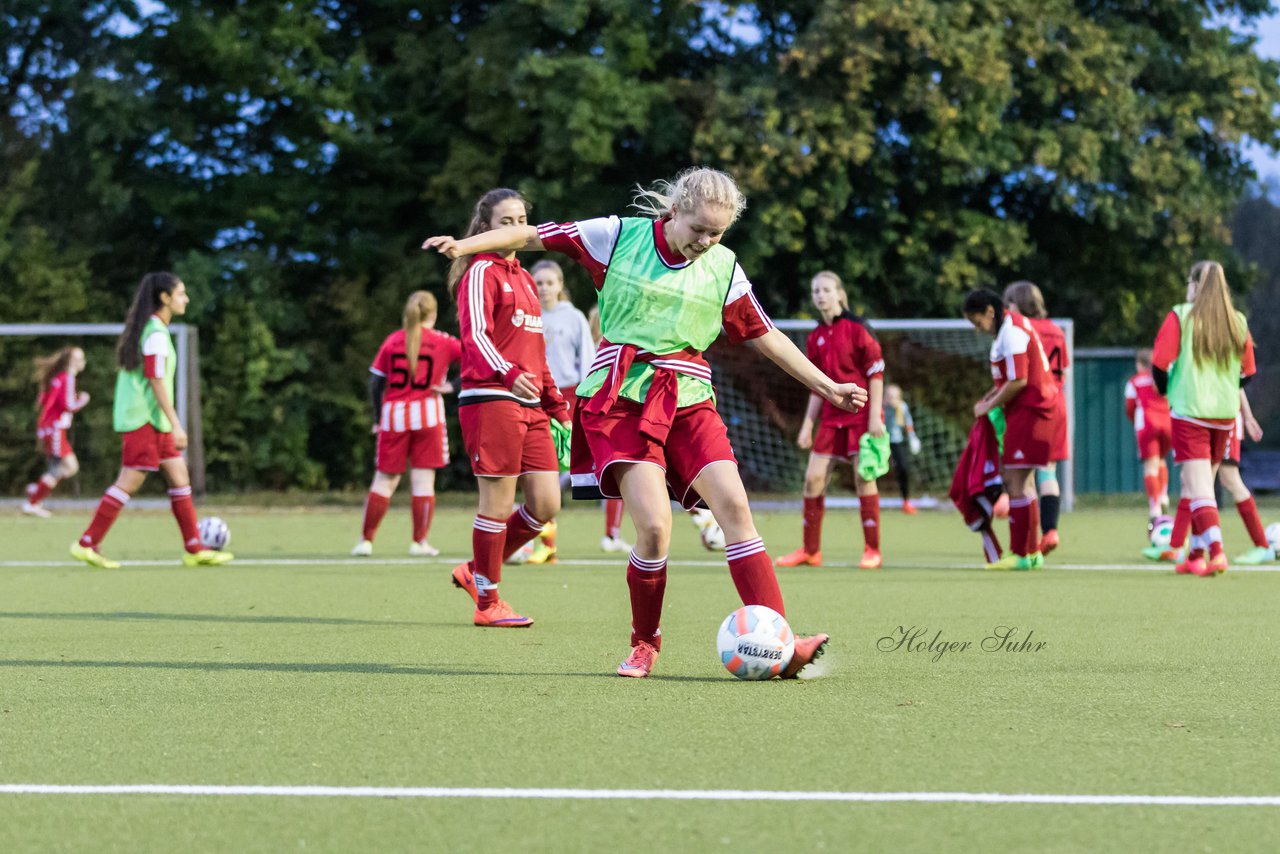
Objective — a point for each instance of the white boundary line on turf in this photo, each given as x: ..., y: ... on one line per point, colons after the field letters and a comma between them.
x: 643, y: 794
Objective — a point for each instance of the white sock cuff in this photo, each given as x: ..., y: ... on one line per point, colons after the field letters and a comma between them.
x: 118, y: 494
x: 647, y: 564
x: 746, y: 548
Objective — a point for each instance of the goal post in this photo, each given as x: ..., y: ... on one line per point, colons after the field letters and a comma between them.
x: 942, y: 366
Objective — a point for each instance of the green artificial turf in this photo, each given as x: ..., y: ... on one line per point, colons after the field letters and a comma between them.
x: 333, y: 672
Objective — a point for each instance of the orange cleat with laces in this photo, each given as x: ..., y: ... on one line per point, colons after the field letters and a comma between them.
x: 807, y: 651
x: 640, y: 662
x: 800, y: 557
x: 464, y: 579
x: 500, y: 615
x: 871, y: 559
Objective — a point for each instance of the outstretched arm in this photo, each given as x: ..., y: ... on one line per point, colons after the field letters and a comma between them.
x: 510, y: 238
x: 777, y: 347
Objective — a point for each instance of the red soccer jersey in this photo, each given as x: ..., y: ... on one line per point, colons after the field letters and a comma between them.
x: 438, y: 351
x: 590, y: 243
x: 1054, y: 341
x: 501, y: 323
x: 1169, y: 345
x: 846, y: 351
x: 58, y: 402
x: 1018, y: 353
x: 1146, y: 407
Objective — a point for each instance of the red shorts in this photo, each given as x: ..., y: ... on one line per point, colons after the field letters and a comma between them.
x: 145, y: 448
x: 1061, y: 439
x: 55, y: 443
x: 838, y: 442
x: 505, y: 439
x: 1029, y: 436
x: 570, y: 395
x: 697, y: 439
x: 1154, y: 442
x: 427, y: 448
x: 1233, y: 444
x: 1193, y: 441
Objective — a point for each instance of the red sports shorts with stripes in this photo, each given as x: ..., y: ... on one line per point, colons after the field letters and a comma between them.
x: 412, y: 431
x: 697, y: 439
x: 1192, y: 441
x: 55, y: 443
x: 1061, y: 441
x: 838, y: 442
x: 505, y: 439
x: 145, y: 448
x: 1154, y: 442
x: 1029, y: 436
x: 1233, y: 444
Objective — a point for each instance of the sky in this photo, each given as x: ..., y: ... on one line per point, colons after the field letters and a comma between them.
x: 1267, y: 164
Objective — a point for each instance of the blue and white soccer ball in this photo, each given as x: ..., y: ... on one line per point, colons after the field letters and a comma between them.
x: 214, y: 533
x: 1160, y: 532
x: 755, y: 642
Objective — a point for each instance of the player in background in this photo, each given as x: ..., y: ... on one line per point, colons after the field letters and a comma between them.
x: 507, y: 401
x: 647, y: 427
x: 58, y: 402
x: 143, y: 411
x: 1232, y: 482
x: 843, y: 348
x: 1029, y: 301
x: 1202, y: 358
x: 902, y: 432
x: 405, y: 383
x: 1149, y: 411
x: 1025, y: 389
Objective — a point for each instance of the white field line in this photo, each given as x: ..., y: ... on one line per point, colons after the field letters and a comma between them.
x: 644, y: 794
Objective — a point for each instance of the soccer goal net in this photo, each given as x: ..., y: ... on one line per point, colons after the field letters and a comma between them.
x: 95, y: 443
x: 942, y: 367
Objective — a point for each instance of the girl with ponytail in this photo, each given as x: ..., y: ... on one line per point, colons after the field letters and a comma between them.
x: 58, y: 402
x: 406, y: 380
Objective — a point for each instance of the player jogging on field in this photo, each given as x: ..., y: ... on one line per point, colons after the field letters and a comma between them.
x: 58, y: 402
x: 507, y: 400
x: 1203, y: 356
x: 1029, y: 301
x: 1148, y: 409
x: 143, y: 411
x: 842, y: 347
x: 405, y: 381
x: 647, y: 420
x: 1025, y: 390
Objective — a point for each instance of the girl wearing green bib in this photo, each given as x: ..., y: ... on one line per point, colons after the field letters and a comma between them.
x: 1202, y: 358
x: 153, y: 438
x: 646, y: 426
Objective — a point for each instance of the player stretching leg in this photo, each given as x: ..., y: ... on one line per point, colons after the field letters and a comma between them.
x: 59, y: 401
x: 144, y: 413
x: 405, y: 382
x: 843, y: 348
x: 647, y: 420
x: 1025, y: 389
x: 1202, y: 358
x: 507, y: 401
x: 1229, y: 477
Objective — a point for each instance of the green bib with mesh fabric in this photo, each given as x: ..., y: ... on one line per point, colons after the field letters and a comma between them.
x: 659, y: 308
x: 1202, y: 389
x: 135, y: 403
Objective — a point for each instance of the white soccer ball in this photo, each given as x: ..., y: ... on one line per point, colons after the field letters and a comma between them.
x: 522, y: 554
x: 712, y: 537
x: 1160, y: 531
x: 214, y: 533
x: 1273, y: 535
x: 755, y: 642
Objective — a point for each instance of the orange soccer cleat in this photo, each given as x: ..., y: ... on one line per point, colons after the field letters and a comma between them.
x: 1049, y: 541
x: 800, y: 557
x: 871, y: 559
x: 1215, y: 566
x: 909, y: 508
x: 464, y: 579
x: 640, y: 662
x: 807, y: 651
x: 500, y: 615
x: 1192, y: 566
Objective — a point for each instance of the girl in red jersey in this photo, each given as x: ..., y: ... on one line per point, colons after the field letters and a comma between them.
x: 1025, y: 389
x: 843, y: 348
x: 1029, y: 301
x: 405, y: 382
x: 1149, y: 412
x: 1202, y: 358
x: 59, y: 401
x: 647, y: 427
x: 507, y: 401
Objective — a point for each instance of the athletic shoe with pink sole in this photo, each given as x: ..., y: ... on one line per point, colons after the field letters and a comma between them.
x: 464, y: 579
x: 807, y: 651
x: 1215, y: 566
x: 800, y: 557
x: 500, y: 615
x: 640, y: 662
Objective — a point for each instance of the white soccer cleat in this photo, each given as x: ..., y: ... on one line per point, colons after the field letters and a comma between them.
x: 364, y: 548
x: 423, y: 549
x: 35, y: 510
x: 614, y: 545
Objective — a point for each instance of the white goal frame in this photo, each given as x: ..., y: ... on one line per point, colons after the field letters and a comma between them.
x: 1066, y: 469
x: 186, y: 390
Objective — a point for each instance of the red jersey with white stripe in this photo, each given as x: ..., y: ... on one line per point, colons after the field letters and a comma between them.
x: 500, y: 318
x: 846, y: 351
x: 1054, y: 341
x: 1146, y: 407
x: 1017, y: 353
x: 409, y: 402
x: 57, y: 404
x: 1165, y: 353
x: 590, y: 242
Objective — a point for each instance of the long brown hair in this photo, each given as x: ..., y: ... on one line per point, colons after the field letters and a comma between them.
x: 1219, y: 335
x: 421, y: 305
x: 1026, y: 298
x: 146, y: 302
x: 48, y: 367
x: 480, y: 218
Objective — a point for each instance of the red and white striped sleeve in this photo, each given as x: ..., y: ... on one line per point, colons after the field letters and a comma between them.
x: 872, y: 357
x: 475, y: 319
x: 744, y: 317
x: 589, y: 242
x: 155, y: 350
